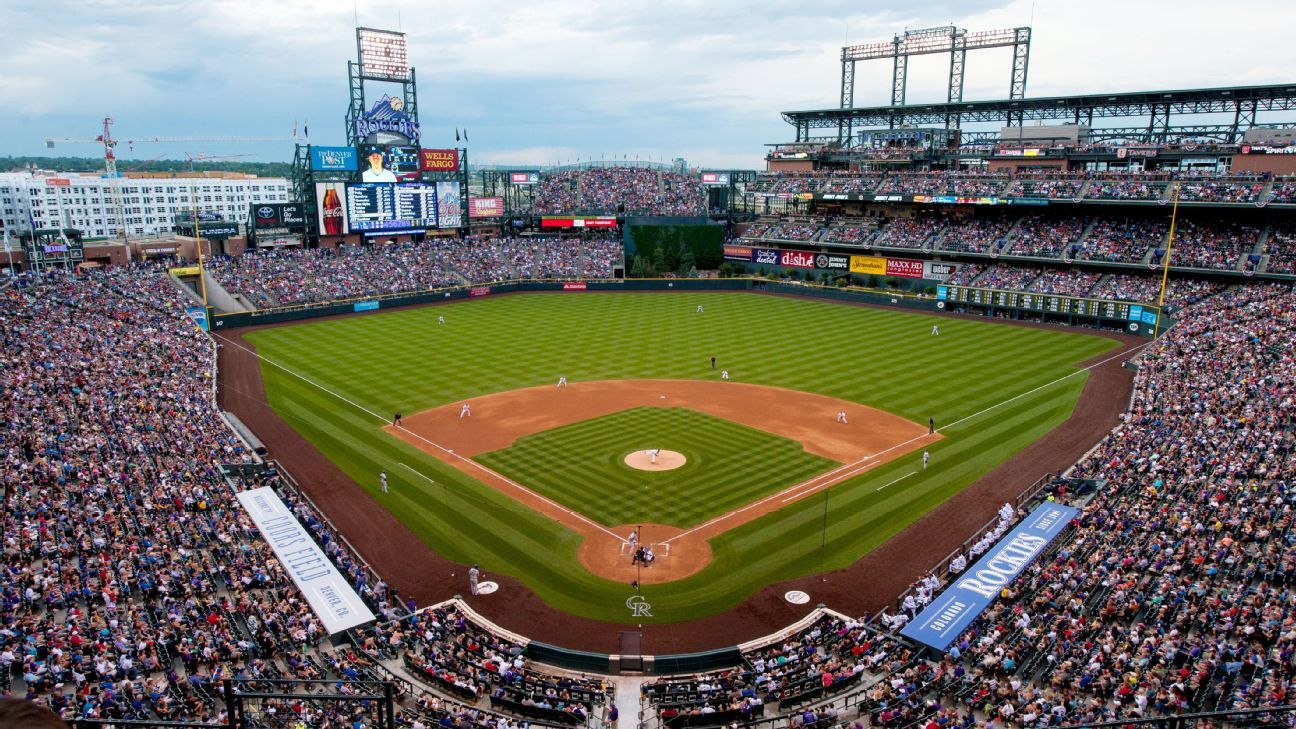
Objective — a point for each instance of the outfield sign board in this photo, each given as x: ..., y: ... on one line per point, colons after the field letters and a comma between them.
x: 946, y: 617
x: 326, y: 590
x: 334, y: 159
x: 1047, y: 303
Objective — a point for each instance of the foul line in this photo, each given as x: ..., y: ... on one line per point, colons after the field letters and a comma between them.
x: 843, y: 472
x: 896, y: 481
x: 438, y: 446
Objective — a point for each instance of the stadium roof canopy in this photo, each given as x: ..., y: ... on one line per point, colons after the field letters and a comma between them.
x: 1158, y: 106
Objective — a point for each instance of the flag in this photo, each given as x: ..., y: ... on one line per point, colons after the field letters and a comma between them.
x: 294, y: 128
x: 306, y: 129
x: 456, y: 134
x: 465, y: 134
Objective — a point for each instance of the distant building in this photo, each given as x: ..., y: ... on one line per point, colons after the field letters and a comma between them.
x: 89, y: 204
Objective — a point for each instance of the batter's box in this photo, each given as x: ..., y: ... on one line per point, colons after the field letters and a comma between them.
x: 660, y: 550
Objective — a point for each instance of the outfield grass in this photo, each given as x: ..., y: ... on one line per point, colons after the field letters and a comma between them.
x: 582, y: 466
x: 403, y: 361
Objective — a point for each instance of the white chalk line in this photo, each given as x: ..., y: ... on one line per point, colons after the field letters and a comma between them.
x: 810, y: 486
x: 896, y: 481
x: 438, y: 446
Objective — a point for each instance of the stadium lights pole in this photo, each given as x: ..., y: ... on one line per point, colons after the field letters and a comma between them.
x: 1165, y: 268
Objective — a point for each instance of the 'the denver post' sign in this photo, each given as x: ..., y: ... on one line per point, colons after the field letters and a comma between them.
x: 973, y: 591
x: 337, y: 606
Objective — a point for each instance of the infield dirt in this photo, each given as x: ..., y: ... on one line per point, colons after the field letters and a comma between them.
x: 869, y: 438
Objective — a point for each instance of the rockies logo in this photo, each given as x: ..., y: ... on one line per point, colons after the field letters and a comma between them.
x: 639, y: 607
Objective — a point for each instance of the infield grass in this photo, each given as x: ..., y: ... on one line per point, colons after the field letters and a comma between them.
x: 582, y: 466
x: 404, y: 361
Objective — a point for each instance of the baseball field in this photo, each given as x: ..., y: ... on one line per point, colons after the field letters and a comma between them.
x: 538, y: 482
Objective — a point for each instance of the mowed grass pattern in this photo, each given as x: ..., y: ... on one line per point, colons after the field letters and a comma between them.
x: 583, y: 466
x: 404, y: 361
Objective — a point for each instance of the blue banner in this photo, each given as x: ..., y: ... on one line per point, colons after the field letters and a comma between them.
x: 946, y: 617
x: 199, y: 316
x: 941, y: 293
x: 366, y: 305
x: 1135, y: 312
x: 334, y: 158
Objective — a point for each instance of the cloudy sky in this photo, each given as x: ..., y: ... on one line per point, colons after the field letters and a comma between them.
x: 540, y: 82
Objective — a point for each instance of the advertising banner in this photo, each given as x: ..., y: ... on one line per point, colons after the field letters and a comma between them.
x: 199, y: 316
x: 715, y: 178
x: 485, y: 207
x: 440, y: 160
x: 58, y: 182
x: 937, y: 271
x: 737, y: 253
x: 602, y: 221
x: 947, y: 616
x: 277, y: 215
x: 338, y: 159
x: 479, y: 291
x: 524, y: 178
x: 449, y: 206
x: 904, y: 268
x: 330, y: 199
x: 574, y: 286
x: 799, y: 259
x: 831, y: 262
x: 765, y: 256
x: 875, y: 265
x: 366, y: 305
x: 326, y: 590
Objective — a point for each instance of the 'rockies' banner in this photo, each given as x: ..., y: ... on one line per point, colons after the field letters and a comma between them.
x: 971, y: 592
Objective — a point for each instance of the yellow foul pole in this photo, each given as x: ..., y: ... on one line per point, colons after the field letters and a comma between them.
x: 1165, y: 265
x: 202, y: 276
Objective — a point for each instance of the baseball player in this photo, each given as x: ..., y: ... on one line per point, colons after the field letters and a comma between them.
x: 440, y: 320
x: 713, y: 363
x: 935, y: 330
x: 562, y: 382
x: 652, y: 455
x: 396, y: 420
x: 926, y: 458
x: 724, y: 374
x: 383, y: 477
x: 841, y: 416
x: 931, y: 426
x: 699, y: 309
x: 465, y: 411
x: 474, y: 574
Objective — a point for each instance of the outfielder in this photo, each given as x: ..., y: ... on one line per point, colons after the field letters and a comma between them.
x: 562, y: 382
x: 724, y: 374
x: 926, y: 458
x: 440, y: 320
x: 383, y: 477
x: 699, y: 309
x: 935, y: 330
x: 465, y: 410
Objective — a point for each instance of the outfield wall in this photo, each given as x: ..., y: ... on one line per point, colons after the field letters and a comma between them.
x: 850, y: 295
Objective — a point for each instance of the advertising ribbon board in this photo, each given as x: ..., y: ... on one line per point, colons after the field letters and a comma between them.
x: 574, y: 286
x: 326, y: 590
x: 904, y: 268
x: 737, y: 253
x: 947, y: 616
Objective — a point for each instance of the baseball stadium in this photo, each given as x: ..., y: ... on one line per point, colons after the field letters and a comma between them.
x: 970, y: 413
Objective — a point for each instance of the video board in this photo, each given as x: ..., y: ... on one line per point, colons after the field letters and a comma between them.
x: 380, y: 206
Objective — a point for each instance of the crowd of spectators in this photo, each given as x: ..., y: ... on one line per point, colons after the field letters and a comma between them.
x: 1212, y: 244
x: 913, y: 232
x: 1123, y: 239
x: 1281, y: 248
x: 1283, y: 191
x: 1046, y: 236
x: 610, y: 190
x: 1064, y: 282
x: 1054, y: 188
x: 1003, y: 276
x: 289, y: 277
x: 976, y: 235
x: 1131, y: 188
x: 1221, y: 190
x: 1147, y: 289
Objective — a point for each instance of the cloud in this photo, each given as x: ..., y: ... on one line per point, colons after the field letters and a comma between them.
x: 702, y: 79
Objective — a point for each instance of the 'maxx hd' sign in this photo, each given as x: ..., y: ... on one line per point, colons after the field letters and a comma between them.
x: 970, y: 593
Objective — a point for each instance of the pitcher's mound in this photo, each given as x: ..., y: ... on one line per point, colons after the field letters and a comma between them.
x: 666, y: 460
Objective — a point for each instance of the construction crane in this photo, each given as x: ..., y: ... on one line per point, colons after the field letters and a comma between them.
x: 109, y: 143
x: 204, y: 157
x: 110, y: 157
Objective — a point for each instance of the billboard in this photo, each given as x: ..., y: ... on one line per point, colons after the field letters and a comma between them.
x: 334, y: 159
x: 874, y: 265
x: 58, y: 182
x: 449, y: 205
x: 831, y: 262
x: 737, y: 253
x: 439, y: 160
x: 382, y: 54
x: 403, y: 162
x: 485, y: 207
x: 947, y: 616
x: 715, y: 178
x: 904, y: 268
x: 524, y: 178
x: 277, y: 215
x: 937, y: 271
x: 330, y: 201
x: 765, y: 256
x: 556, y: 221
x: 387, y: 123
x: 798, y: 259
x: 326, y: 590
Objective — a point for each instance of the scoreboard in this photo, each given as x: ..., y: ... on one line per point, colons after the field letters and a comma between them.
x: 371, y: 206
x: 415, y: 205
x: 1047, y: 303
